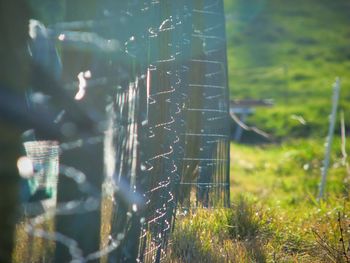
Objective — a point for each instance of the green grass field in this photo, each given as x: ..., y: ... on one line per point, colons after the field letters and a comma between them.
x: 275, y: 215
x: 291, y: 52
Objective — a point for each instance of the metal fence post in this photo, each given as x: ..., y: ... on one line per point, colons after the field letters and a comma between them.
x: 333, y: 117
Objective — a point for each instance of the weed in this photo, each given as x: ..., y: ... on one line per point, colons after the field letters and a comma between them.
x: 244, y: 224
x: 335, y: 246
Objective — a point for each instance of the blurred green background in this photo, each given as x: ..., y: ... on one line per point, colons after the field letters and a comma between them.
x: 290, y: 51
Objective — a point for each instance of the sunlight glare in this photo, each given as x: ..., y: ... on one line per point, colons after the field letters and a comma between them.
x: 25, y: 167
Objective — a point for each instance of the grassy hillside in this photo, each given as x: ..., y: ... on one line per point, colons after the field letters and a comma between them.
x: 290, y: 51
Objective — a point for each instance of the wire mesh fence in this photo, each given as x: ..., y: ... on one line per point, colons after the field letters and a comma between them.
x: 129, y: 101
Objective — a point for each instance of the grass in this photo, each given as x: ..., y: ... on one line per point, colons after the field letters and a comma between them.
x: 286, y: 173
x: 29, y: 248
x: 275, y: 216
x: 285, y: 180
x: 290, y: 52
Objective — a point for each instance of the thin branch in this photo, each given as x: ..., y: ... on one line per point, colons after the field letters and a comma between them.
x: 342, y: 239
x: 249, y: 128
x: 332, y: 252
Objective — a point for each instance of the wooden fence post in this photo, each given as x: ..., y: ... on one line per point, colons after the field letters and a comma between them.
x: 14, y: 17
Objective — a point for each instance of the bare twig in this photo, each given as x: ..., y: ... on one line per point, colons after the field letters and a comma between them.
x: 322, y: 242
x: 298, y: 118
x: 342, y: 241
x: 249, y: 128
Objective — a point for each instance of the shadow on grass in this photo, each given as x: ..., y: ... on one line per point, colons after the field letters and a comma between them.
x: 246, y: 231
x: 230, y: 235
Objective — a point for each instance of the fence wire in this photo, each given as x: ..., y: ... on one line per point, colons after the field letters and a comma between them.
x: 134, y: 99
